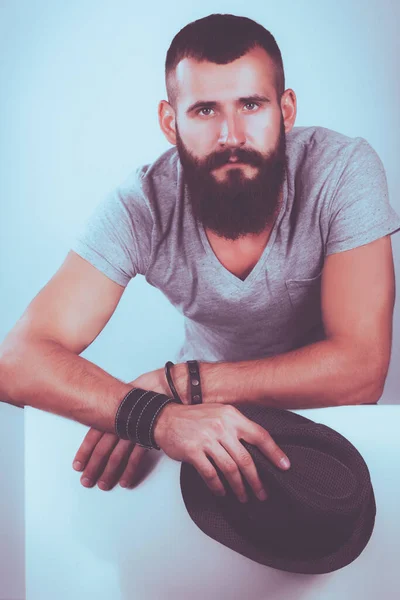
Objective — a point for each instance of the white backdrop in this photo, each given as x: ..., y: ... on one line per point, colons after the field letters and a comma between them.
x: 80, y: 85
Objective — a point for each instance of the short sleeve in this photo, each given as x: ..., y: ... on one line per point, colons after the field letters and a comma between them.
x: 360, y: 211
x: 116, y: 238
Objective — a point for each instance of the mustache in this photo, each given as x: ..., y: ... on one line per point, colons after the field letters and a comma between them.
x: 221, y: 158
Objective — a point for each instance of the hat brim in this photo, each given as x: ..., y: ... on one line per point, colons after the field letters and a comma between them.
x: 204, y: 508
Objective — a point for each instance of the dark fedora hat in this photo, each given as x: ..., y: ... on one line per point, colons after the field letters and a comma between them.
x: 320, y: 513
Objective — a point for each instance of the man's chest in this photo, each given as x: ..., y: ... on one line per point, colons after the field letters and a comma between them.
x: 237, y: 257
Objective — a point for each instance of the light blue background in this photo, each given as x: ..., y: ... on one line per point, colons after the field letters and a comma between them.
x: 80, y: 85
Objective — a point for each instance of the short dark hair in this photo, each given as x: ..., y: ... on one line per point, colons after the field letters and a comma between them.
x: 220, y: 38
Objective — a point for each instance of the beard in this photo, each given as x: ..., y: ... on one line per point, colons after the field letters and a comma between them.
x: 238, y: 205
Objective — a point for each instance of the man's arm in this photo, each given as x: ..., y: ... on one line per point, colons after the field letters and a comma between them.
x: 348, y: 367
x: 39, y: 362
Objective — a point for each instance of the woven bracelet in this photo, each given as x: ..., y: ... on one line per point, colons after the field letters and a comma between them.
x: 136, y: 416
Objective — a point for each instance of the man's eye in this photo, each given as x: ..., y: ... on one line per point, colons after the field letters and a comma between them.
x: 201, y: 109
x: 251, y: 103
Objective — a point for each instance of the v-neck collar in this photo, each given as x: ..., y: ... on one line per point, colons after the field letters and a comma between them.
x: 252, y: 276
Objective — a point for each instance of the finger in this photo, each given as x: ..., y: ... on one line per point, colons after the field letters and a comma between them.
x: 209, y: 474
x: 230, y: 469
x: 131, y: 470
x: 116, y: 464
x: 90, y: 440
x: 98, y: 459
x: 246, y: 466
x: 261, y: 438
x: 256, y: 434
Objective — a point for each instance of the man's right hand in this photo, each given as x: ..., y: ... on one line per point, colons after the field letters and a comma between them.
x: 109, y: 459
x: 191, y: 433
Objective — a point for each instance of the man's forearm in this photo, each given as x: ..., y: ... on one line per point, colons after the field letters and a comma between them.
x: 45, y: 375
x: 318, y: 375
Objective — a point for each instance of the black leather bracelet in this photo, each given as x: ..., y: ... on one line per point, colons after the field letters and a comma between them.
x: 168, y: 376
x: 194, y: 378
x: 136, y: 416
x: 122, y: 413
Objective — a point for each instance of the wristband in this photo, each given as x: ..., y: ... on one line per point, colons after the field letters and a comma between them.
x: 168, y: 366
x: 194, y: 378
x: 136, y: 416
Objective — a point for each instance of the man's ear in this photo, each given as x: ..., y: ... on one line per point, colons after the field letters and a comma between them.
x: 166, y: 118
x: 289, y: 109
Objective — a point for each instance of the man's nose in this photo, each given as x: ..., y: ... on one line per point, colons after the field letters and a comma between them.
x: 232, y: 132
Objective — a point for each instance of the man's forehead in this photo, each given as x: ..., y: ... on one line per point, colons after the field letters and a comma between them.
x: 211, y: 81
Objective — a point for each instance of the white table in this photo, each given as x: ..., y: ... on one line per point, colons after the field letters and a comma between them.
x: 140, y: 544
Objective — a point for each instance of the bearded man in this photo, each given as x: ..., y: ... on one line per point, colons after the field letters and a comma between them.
x: 273, y: 242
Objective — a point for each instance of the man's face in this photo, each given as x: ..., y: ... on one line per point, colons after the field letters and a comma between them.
x: 231, y: 199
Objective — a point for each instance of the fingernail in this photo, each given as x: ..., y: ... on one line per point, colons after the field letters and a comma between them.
x: 103, y: 485
x: 285, y: 463
x: 77, y: 465
x: 86, y: 481
x: 243, y: 499
x: 123, y: 483
x: 262, y: 495
x: 220, y: 493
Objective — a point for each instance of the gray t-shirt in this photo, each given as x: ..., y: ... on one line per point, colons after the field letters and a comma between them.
x: 335, y: 198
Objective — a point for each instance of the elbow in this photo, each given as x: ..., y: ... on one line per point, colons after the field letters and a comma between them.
x: 9, y: 359
x: 373, y: 398
x: 365, y: 394
x: 377, y: 385
x: 375, y: 394
x: 366, y: 378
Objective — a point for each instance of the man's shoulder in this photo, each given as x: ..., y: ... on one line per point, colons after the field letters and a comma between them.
x: 151, y: 189
x: 145, y: 183
x: 319, y: 138
x: 164, y: 167
x: 319, y: 149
